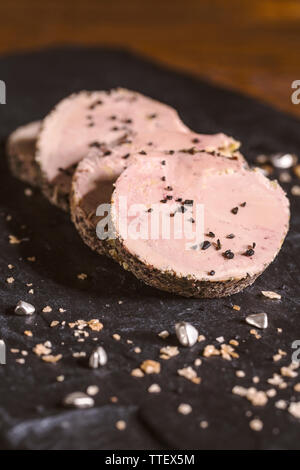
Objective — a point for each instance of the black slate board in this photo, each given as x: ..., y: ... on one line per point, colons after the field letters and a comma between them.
x: 31, y: 416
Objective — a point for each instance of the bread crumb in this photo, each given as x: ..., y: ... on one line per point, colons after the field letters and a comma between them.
x: 270, y: 294
x: 150, y: 367
x: 52, y: 359
x: 256, y: 424
x: 92, y: 390
x: 121, y: 425
x: 82, y: 276
x: 137, y: 373
x: 163, y: 334
x: 10, y: 280
x: 28, y: 333
x: 47, y: 309
x: 184, y: 409
x: 154, y: 388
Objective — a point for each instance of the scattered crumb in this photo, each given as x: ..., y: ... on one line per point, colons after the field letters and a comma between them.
x: 203, y: 424
x: 184, y: 409
x: 92, y: 390
x: 295, y: 190
x: 234, y: 342
x: 240, y: 373
x: 197, y: 362
x: 281, y: 404
x: 79, y: 354
x: 210, y: 350
x: 137, y: 350
x: 52, y: 359
x: 54, y: 323
x: 296, y: 170
x: 32, y: 259
x: 271, y: 392
x: 10, y: 266
x: 28, y: 192
x: 285, y: 177
x: 163, y: 334
x: 121, y: 425
x: 256, y: 424
x: 95, y: 325
x: 288, y: 371
x: 190, y: 374
x: 10, y: 280
x: 236, y: 307
x: 40, y: 349
x: 47, y: 309
x: 60, y: 378
x: 294, y: 409
x: 61, y: 310
x: 256, y: 397
x: 220, y: 339
x: 255, y: 379
x: 150, y: 367
x: 254, y: 333
x: 154, y: 388
x: 14, y: 350
x: 14, y: 240
x: 201, y: 338
x: 31, y: 291
x: 137, y: 373
x: 82, y: 276
x: 270, y: 294
x: 28, y: 333
x: 20, y: 361
x: 297, y: 387
x: 227, y: 352
x: 116, y: 336
x: 114, y: 399
x: 169, y: 351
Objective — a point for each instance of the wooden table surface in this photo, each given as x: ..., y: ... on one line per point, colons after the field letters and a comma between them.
x: 249, y: 45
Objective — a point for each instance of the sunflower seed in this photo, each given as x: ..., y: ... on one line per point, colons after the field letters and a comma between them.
x: 186, y: 333
x: 260, y: 320
x: 78, y: 400
x: 283, y: 160
x: 24, y: 308
x: 98, y: 358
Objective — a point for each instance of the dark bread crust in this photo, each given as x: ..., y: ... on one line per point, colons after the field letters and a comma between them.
x: 169, y: 281
x: 85, y: 228
x: 21, y: 169
x: 20, y: 152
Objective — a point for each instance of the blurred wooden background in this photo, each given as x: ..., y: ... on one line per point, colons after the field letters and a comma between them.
x: 250, y: 45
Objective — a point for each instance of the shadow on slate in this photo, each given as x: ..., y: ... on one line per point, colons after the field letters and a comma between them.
x: 31, y: 416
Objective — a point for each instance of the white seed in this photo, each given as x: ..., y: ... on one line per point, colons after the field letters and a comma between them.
x: 283, y: 160
x: 24, y: 308
x: 260, y: 320
x: 78, y: 400
x: 186, y: 333
x: 98, y: 358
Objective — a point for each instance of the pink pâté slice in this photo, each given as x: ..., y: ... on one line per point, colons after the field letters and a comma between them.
x: 98, y: 119
x: 246, y: 218
x: 96, y: 174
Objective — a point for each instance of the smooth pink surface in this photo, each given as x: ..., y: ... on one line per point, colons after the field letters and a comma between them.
x: 95, y: 175
x: 220, y: 184
x: 78, y: 121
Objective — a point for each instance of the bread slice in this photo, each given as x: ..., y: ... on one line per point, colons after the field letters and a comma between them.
x: 98, y: 119
x: 20, y: 149
x: 245, y: 220
x: 94, y: 178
